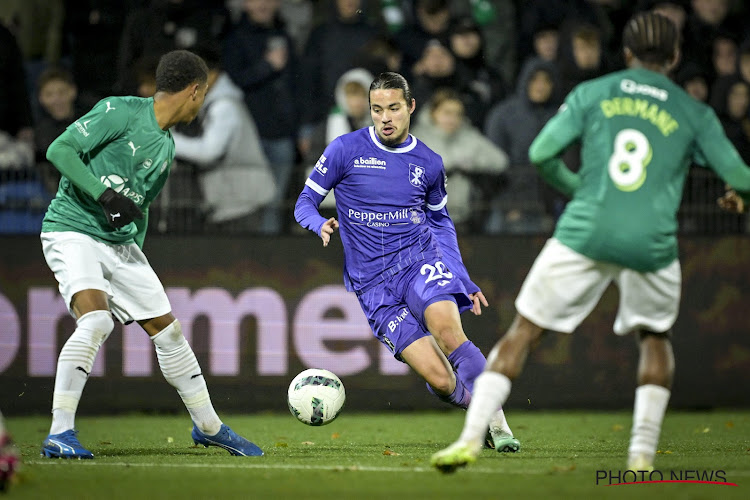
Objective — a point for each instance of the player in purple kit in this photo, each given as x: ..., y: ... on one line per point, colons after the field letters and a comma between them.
x: 401, y: 255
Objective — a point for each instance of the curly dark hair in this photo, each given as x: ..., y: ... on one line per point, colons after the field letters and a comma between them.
x: 178, y: 69
x: 651, y: 37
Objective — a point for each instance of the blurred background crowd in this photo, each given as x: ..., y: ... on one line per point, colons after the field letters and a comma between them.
x: 289, y: 76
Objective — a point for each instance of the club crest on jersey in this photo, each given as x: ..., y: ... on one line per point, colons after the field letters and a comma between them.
x: 416, y: 175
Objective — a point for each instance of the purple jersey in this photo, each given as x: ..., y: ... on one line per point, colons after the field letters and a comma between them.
x: 390, y: 203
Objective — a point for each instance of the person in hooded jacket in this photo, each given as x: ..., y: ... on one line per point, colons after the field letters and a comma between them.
x: 351, y: 112
x: 512, y: 125
x: 234, y: 174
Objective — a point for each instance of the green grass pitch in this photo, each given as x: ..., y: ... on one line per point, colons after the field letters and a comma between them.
x: 383, y: 456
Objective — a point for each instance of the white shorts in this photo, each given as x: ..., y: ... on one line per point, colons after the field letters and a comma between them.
x: 121, y: 271
x: 563, y: 287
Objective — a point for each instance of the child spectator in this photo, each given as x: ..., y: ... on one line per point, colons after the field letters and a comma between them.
x: 57, y: 93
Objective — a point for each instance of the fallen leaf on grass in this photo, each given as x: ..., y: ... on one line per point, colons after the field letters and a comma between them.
x: 564, y: 468
x: 335, y: 435
x: 389, y: 452
x: 307, y: 443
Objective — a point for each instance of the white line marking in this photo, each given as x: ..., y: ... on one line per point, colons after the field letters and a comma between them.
x: 335, y: 468
x: 338, y: 468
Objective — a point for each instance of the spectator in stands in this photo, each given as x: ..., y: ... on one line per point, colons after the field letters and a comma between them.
x: 351, y: 112
x: 379, y: 55
x: 144, y: 70
x: 743, y: 61
x: 496, y: 20
x: 472, y: 162
x: 537, y: 14
x: 165, y: 25
x: 707, y: 20
x: 38, y: 28
x: 725, y: 55
x: 694, y: 79
x: 94, y: 28
x: 22, y: 195
x: 432, y: 22
x: 512, y: 125
x: 438, y: 69
x: 482, y: 81
x: 260, y: 59
x: 235, y: 177
x: 16, y: 133
x: 546, y: 42
x: 581, y: 56
x: 674, y: 10
x: 57, y: 94
x: 730, y: 98
x: 330, y: 52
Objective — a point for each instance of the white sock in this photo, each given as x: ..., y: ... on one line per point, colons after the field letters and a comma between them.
x: 180, y: 367
x: 498, y: 421
x: 74, y: 365
x: 648, y: 413
x: 491, y: 389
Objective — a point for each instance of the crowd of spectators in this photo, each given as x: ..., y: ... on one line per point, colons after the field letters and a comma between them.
x: 291, y: 75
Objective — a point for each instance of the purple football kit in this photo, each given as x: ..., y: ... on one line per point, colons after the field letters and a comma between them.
x: 400, y: 247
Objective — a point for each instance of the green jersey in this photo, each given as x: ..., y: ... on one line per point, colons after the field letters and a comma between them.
x: 121, y: 144
x: 639, y: 133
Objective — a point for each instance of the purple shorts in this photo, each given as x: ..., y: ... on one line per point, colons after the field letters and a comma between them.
x: 395, y: 308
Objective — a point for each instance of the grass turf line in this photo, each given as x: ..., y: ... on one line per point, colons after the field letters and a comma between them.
x: 377, y: 455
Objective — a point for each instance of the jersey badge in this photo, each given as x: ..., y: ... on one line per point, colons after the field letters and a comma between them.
x: 416, y: 175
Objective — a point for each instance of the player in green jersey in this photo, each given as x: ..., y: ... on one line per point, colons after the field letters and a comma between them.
x: 114, y: 161
x: 639, y: 133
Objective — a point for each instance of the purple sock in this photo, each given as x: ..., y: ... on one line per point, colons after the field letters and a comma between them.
x: 468, y: 363
x: 460, y: 397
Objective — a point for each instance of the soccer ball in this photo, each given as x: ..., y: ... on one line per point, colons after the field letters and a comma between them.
x: 316, y: 396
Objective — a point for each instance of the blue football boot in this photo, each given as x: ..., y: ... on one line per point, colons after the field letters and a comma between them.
x: 64, y: 445
x: 229, y: 440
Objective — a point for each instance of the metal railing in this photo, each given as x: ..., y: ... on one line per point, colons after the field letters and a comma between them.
x: 178, y: 209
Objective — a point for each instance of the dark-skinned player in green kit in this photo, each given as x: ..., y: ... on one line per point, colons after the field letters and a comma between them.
x: 114, y: 161
x: 639, y: 134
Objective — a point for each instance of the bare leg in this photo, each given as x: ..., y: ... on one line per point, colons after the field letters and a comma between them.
x: 508, y: 357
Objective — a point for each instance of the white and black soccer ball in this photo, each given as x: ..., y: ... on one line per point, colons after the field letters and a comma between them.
x: 316, y: 396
